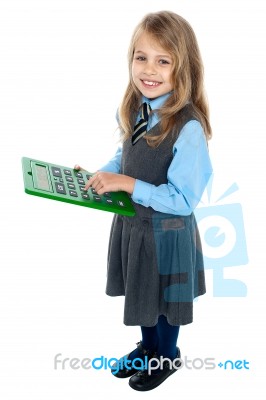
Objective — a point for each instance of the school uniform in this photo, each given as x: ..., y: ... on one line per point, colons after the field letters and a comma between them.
x: 155, y: 258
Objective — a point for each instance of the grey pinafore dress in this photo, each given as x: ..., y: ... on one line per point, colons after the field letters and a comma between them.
x: 154, y: 259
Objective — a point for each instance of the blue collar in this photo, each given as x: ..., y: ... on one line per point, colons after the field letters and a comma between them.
x: 156, y: 103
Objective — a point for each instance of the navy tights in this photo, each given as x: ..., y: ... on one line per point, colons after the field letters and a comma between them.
x: 161, y: 338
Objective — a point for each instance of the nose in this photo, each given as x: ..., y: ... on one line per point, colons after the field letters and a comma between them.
x: 150, y: 68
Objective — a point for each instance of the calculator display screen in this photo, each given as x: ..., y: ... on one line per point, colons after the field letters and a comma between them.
x: 42, y: 177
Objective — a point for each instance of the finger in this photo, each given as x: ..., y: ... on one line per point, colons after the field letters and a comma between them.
x: 87, y: 185
x: 90, y: 182
x: 100, y: 191
x: 98, y: 186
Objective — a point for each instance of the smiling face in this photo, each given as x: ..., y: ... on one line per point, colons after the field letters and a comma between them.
x: 151, y: 68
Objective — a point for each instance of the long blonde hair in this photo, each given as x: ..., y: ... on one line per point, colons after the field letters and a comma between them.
x: 176, y: 36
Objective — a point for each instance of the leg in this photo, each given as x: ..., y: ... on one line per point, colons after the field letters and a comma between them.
x: 168, y: 335
x: 149, y: 341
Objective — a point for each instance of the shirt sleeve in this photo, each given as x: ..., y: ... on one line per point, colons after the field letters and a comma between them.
x: 114, y: 164
x: 187, y: 176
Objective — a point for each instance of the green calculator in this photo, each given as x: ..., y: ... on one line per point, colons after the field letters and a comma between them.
x: 65, y: 184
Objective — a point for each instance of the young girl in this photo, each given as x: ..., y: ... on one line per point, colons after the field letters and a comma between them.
x: 155, y: 258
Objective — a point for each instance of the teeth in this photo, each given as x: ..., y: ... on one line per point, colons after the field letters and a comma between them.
x: 151, y: 83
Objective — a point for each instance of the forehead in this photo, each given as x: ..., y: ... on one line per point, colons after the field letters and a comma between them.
x: 148, y: 44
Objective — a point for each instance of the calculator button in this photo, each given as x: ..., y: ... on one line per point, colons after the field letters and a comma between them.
x: 93, y: 191
x: 88, y: 176
x: 79, y: 175
x: 82, y: 188
x: 56, y: 172
x: 85, y: 196
x: 97, y: 198
x: 121, y: 203
x: 73, y: 193
x: 81, y: 181
x: 71, y: 186
x: 107, y: 194
x: 109, y: 201
x: 69, y: 179
x: 67, y: 171
x: 60, y: 188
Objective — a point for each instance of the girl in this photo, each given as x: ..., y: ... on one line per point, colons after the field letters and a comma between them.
x: 155, y: 258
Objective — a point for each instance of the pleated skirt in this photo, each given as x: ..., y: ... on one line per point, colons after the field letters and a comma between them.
x: 156, y: 263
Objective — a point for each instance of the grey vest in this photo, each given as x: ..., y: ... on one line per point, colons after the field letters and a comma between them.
x: 148, y: 164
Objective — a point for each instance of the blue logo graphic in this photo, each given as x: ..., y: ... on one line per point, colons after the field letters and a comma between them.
x: 224, y: 243
x: 213, y: 237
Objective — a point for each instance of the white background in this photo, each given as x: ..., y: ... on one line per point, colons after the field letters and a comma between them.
x: 63, y: 71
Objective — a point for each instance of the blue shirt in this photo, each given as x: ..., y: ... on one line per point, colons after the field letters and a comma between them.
x: 187, y: 175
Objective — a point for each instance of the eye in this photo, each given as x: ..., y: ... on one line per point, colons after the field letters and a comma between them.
x: 162, y: 61
x: 140, y: 58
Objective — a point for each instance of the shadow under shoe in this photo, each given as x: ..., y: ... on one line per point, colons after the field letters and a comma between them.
x: 143, y: 381
x: 125, y: 367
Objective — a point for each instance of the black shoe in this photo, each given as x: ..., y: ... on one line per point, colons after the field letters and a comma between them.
x: 144, y: 381
x: 122, y: 368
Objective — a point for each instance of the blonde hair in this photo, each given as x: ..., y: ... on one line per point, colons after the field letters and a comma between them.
x: 176, y: 36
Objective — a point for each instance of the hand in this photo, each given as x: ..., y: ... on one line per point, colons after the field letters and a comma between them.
x: 109, y: 182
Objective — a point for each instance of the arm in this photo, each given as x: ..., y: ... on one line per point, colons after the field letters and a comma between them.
x: 187, y: 175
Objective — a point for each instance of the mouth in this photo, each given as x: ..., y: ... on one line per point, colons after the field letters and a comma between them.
x: 150, y: 84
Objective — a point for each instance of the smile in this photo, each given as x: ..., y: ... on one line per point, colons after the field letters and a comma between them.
x: 150, y: 83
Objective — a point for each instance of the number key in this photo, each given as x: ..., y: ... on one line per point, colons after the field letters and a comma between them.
x: 56, y: 172
x: 69, y: 179
x: 60, y: 188
x: 97, y: 198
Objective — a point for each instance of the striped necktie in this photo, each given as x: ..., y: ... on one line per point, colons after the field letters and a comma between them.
x: 141, y: 127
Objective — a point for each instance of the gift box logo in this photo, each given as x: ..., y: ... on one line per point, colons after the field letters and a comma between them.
x: 224, y: 242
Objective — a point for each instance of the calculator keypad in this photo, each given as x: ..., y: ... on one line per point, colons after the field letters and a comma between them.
x: 68, y: 182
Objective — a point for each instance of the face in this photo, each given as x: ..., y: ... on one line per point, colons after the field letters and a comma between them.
x: 151, y: 68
